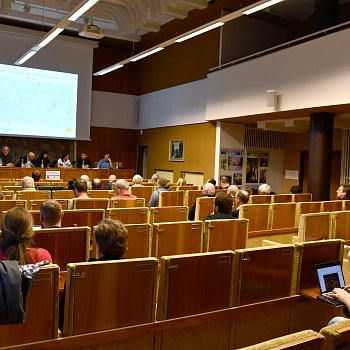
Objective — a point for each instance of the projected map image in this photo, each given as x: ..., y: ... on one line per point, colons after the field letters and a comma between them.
x: 36, y: 102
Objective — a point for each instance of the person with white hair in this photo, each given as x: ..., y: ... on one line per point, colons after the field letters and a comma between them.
x: 112, y: 179
x: 232, y: 190
x: 241, y: 197
x: 137, y: 180
x: 208, y: 190
x: 88, y: 182
x: 27, y: 184
x: 264, y: 189
x: 122, y: 190
x: 154, y: 178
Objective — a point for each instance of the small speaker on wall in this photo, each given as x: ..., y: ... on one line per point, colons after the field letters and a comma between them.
x: 271, y: 98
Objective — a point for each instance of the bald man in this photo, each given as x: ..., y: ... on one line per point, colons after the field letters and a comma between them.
x: 208, y: 190
x: 27, y: 161
x: 6, y: 157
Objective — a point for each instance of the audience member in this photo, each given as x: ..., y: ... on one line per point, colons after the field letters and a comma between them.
x: 137, y: 180
x: 87, y: 179
x: 64, y: 161
x: 43, y: 161
x: 70, y: 184
x: 296, y: 189
x: 122, y: 190
x: 232, y: 190
x: 96, y: 184
x: 264, y: 189
x: 343, y: 192
x: 222, y: 207
x: 111, y: 180
x: 27, y: 161
x: 27, y: 184
x: 80, y: 191
x: 6, y: 157
x: 181, y: 182
x: 208, y: 190
x: 1, y: 196
x: 51, y: 214
x: 17, y: 238
x: 212, y: 181
x: 241, y: 197
x: 224, y: 183
x: 341, y: 294
x: 83, y: 161
x: 36, y: 175
x: 154, y: 178
x: 112, y: 241
x: 162, y: 185
x: 105, y: 163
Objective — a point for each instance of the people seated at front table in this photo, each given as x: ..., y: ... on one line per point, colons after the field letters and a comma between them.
x: 343, y: 192
x: 27, y: 161
x: 6, y: 157
x: 122, y: 190
x: 83, y: 161
x: 208, y: 190
x: 43, y: 161
x: 105, y: 163
x: 241, y: 197
x: 64, y: 161
x: 162, y: 185
x: 17, y: 238
x: 137, y: 180
x: 51, y: 214
x: 222, y: 207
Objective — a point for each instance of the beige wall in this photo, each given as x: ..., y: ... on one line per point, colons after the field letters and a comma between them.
x: 199, y: 149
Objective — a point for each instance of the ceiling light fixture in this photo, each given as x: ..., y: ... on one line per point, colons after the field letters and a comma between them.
x: 261, y: 7
x: 200, y: 31
x: 55, y: 31
x: 147, y: 53
x: 197, y: 31
x: 109, y: 69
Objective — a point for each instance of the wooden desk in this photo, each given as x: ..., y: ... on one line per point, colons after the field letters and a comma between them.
x: 313, y: 293
x: 66, y: 173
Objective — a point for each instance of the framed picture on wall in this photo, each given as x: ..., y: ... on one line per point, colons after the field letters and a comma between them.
x: 176, y: 151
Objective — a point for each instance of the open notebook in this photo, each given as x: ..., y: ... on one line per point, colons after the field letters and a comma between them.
x: 330, y: 276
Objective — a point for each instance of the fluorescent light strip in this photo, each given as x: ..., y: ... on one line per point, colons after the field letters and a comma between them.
x: 148, y: 53
x: 51, y: 35
x: 262, y: 6
x: 108, y: 69
x: 25, y: 57
x: 201, y: 31
x: 82, y: 10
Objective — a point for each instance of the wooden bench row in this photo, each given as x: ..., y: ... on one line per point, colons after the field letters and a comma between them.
x: 103, y: 296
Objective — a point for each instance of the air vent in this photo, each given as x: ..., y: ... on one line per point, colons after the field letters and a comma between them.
x: 258, y: 138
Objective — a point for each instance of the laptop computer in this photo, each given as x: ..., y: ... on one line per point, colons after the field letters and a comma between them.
x: 330, y: 276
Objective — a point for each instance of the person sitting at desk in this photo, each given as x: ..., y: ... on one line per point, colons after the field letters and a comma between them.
x: 64, y: 161
x: 27, y: 161
x: 43, y: 161
x: 6, y: 157
x: 105, y: 163
x: 83, y: 161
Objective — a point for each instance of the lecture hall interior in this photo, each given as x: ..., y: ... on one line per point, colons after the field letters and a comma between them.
x: 261, y: 97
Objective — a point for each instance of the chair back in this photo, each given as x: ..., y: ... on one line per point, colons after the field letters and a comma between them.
x: 42, y: 312
x: 315, y: 226
x: 90, y: 203
x: 204, y: 207
x: 195, y: 283
x: 282, y: 215
x: 168, y: 214
x: 260, y: 199
x: 9, y: 204
x: 139, y: 241
x: 27, y: 195
x: 282, y: 198
x: 171, y: 198
x: 332, y: 205
x: 142, y: 192
x: 62, y: 194
x: 258, y: 216
x: 118, y: 293
x: 191, y: 196
x: 302, y: 197
x: 225, y: 235
x: 127, y: 202
x: 35, y: 204
x: 100, y: 193
x: 138, y: 215
x: 171, y: 238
